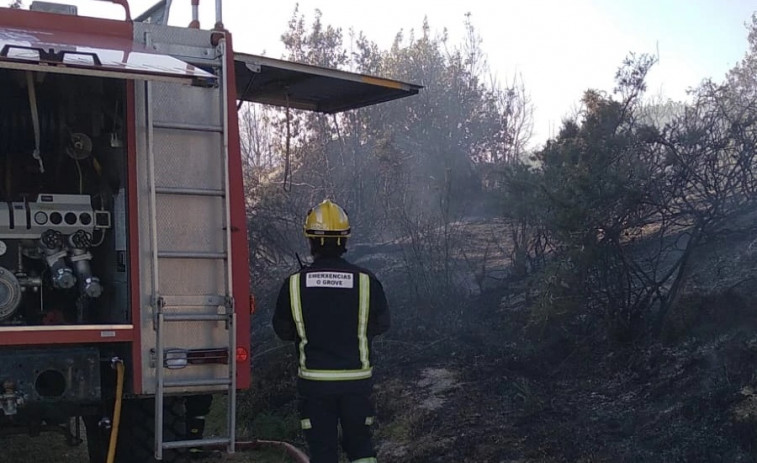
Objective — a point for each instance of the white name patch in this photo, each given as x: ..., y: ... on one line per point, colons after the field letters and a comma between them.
x: 329, y: 280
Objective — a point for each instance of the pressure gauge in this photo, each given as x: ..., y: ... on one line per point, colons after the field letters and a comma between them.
x: 3, y: 248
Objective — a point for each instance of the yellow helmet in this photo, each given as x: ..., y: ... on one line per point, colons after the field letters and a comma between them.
x: 327, y: 220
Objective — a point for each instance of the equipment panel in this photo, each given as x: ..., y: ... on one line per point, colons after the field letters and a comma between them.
x: 62, y: 162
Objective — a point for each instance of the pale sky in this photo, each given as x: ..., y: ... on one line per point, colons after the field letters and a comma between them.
x: 558, y: 47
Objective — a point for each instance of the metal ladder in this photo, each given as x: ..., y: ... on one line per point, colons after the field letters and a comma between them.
x: 170, y: 310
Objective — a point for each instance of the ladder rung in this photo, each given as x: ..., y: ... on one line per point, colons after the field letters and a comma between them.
x: 182, y: 444
x: 191, y: 255
x: 192, y: 127
x: 167, y: 190
x: 195, y: 317
x: 197, y: 382
x: 193, y: 301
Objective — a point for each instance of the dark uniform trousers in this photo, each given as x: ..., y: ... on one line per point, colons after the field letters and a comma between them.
x: 321, y: 415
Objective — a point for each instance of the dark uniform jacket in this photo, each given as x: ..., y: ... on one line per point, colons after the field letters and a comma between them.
x: 332, y: 309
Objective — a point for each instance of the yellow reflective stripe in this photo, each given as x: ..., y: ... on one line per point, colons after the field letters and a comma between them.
x: 365, y: 460
x: 335, y: 375
x: 296, y: 303
x: 362, y: 327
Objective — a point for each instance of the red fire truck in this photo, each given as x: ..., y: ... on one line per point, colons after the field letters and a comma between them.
x: 124, y: 282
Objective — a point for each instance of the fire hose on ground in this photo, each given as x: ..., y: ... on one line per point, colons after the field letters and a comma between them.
x: 297, y: 455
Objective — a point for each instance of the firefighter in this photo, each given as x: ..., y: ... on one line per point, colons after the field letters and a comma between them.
x: 332, y: 309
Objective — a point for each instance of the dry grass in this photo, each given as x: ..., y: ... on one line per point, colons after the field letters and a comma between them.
x: 45, y: 448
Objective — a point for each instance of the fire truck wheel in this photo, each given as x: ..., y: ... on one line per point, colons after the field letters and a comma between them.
x: 136, y: 433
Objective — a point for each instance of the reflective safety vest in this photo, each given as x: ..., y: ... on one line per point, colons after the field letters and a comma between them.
x: 365, y: 371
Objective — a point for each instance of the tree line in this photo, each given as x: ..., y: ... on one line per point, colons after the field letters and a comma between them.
x: 601, y: 219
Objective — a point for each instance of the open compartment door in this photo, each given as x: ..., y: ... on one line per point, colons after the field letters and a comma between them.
x: 92, y: 55
x: 283, y: 83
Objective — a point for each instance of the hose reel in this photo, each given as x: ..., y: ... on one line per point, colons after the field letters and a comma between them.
x: 10, y: 293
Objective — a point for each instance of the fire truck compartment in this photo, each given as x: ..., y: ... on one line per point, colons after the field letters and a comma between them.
x: 63, y: 234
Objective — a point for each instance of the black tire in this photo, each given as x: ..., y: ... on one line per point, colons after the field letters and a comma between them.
x: 136, y: 433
